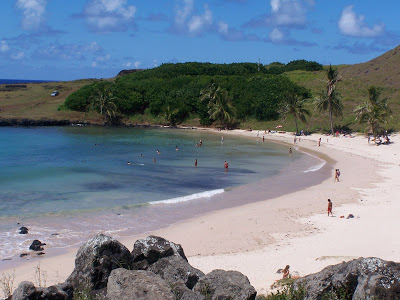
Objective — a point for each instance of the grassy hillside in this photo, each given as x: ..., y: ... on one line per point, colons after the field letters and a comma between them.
x: 35, y: 101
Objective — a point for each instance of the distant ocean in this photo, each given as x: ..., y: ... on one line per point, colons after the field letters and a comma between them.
x: 67, y: 184
x: 16, y: 81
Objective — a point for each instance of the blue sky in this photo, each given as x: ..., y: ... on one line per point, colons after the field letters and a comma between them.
x: 67, y: 40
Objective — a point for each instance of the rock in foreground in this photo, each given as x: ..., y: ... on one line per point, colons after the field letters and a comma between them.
x: 359, y: 279
x: 220, y: 284
x: 156, y: 269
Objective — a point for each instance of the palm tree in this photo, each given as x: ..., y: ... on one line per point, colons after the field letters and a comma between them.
x: 171, y: 115
x: 373, y: 111
x: 331, y: 103
x: 221, y: 108
x: 294, y: 106
x: 209, y: 93
x: 103, y: 100
x: 330, y: 100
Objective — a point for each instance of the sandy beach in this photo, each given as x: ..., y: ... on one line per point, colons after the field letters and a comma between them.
x: 259, y: 238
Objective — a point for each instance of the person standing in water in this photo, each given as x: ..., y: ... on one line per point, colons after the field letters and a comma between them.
x: 290, y: 151
x: 226, y: 166
x: 195, y: 162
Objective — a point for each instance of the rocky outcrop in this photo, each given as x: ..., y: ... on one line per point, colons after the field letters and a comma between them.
x: 220, y: 284
x: 126, y: 72
x: 27, y: 291
x: 149, y: 250
x: 174, y: 268
x: 23, y: 230
x: 137, y: 284
x: 95, y: 260
x: 363, y: 278
x: 37, y: 245
x: 104, y: 269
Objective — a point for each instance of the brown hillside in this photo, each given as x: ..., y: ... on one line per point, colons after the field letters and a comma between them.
x: 382, y: 71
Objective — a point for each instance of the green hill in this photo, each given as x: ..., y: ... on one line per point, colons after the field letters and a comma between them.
x: 256, y: 92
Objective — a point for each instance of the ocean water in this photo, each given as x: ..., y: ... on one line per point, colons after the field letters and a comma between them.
x: 19, y: 81
x: 67, y: 184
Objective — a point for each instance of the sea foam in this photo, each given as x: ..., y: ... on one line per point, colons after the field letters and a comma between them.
x: 191, y: 197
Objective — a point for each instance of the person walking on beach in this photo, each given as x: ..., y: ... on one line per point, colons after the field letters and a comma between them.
x: 337, y: 174
x: 330, y: 207
x: 319, y: 142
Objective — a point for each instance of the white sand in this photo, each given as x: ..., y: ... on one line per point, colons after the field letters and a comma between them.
x: 259, y: 238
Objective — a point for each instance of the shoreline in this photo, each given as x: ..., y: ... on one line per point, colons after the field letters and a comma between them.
x: 276, y: 228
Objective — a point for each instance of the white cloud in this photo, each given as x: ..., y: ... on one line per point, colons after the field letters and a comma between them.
x: 109, y: 15
x: 287, y: 13
x: 276, y: 35
x: 130, y: 64
x: 199, y: 23
x: 275, y: 4
x: 33, y: 13
x: 103, y: 58
x: 186, y: 21
x: 352, y: 25
x: 17, y: 56
x: 4, y: 47
x: 183, y: 13
x: 223, y: 27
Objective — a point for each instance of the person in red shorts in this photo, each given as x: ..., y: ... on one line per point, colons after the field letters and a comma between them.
x: 330, y: 207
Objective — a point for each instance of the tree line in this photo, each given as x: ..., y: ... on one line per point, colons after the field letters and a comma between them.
x: 223, y: 95
x: 175, y: 91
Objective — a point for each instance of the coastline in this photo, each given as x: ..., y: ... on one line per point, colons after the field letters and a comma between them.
x: 259, y: 238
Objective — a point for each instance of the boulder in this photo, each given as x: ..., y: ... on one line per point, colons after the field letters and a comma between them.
x: 182, y: 292
x: 23, y: 230
x: 27, y: 291
x: 174, y: 268
x: 37, y: 245
x: 149, y: 250
x: 137, y: 284
x: 363, y: 278
x: 220, y: 284
x: 95, y: 260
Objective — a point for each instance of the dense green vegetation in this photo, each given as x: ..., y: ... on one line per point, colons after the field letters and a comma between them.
x: 174, y: 91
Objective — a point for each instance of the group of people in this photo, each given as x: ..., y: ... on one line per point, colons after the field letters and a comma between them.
x: 199, y: 144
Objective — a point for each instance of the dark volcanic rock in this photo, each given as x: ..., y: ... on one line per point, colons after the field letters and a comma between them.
x: 30, y: 122
x: 37, y: 245
x: 174, y: 268
x: 23, y: 230
x: 126, y: 72
x: 139, y: 285
x: 96, y: 259
x: 27, y: 291
x: 220, y: 284
x: 363, y: 278
x: 151, y: 249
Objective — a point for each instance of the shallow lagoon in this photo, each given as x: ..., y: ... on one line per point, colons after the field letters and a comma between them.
x: 68, y: 183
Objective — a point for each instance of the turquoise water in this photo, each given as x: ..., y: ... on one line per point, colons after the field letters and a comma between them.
x: 58, y: 181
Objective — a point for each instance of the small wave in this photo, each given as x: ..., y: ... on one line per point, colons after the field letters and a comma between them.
x: 205, y: 194
x: 316, y: 167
